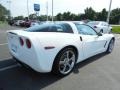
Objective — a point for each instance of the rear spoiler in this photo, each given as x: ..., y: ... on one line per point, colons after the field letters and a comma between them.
x: 12, y: 33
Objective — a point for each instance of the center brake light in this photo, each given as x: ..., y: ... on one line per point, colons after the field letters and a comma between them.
x: 28, y: 43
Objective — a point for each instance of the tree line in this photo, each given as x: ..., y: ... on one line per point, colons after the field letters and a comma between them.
x: 89, y: 14
x: 4, y: 13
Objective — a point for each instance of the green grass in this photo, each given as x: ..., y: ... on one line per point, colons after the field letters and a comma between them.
x: 116, y: 29
x: 3, y: 24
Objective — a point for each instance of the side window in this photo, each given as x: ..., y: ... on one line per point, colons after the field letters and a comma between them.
x: 38, y: 29
x: 85, y: 30
x: 45, y: 29
x: 59, y: 28
x: 102, y: 24
x: 64, y: 28
x: 106, y: 24
x: 67, y: 28
x: 53, y: 29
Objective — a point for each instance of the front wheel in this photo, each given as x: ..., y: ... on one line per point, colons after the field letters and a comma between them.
x: 64, y: 62
x: 110, y: 46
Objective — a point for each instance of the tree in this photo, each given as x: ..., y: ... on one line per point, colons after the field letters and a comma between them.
x: 102, y: 16
x: 19, y: 18
x: 58, y: 17
x: 66, y: 16
x: 4, y: 13
x: 74, y: 17
x: 115, y: 16
x: 90, y: 13
x: 83, y: 17
x: 42, y: 18
x: 33, y: 16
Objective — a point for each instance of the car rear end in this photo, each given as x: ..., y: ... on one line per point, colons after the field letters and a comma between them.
x: 22, y: 23
x: 22, y: 48
x: 95, y: 25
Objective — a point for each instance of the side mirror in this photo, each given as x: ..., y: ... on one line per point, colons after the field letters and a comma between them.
x: 101, y: 31
x: 99, y: 34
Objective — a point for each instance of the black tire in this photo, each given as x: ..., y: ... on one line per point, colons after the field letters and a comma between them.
x: 110, y: 46
x: 61, y: 58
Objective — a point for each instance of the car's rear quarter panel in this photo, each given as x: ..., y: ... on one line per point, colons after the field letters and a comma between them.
x: 25, y: 55
x: 59, y: 41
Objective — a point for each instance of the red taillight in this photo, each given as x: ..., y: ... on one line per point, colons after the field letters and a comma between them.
x: 95, y: 26
x: 28, y: 43
x: 21, y: 41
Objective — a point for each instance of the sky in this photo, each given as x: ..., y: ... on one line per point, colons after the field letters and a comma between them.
x: 19, y: 7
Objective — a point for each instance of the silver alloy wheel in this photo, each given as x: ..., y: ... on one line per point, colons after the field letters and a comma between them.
x: 67, y: 62
x: 111, y: 45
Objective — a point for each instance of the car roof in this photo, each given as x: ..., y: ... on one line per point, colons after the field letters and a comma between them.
x: 72, y: 24
x: 98, y: 21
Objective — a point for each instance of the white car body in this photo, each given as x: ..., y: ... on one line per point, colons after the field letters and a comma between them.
x: 41, y: 59
x: 80, y: 22
x: 100, y: 26
x: 17, y: 23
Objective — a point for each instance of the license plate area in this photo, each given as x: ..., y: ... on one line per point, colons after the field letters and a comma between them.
x: 14, y: 48
x: 13, y: 42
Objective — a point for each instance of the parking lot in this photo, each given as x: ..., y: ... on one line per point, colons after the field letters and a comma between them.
x: 101, y: 72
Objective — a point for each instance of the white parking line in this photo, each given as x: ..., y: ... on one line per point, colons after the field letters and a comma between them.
x: 9, y: 67
x: 3, y: 44
x: 5, y: 58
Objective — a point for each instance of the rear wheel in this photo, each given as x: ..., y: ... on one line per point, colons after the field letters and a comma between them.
x: 110, y: 46
x: 64, y: 62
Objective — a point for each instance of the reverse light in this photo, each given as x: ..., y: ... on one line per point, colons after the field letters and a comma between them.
x: 28, y: 43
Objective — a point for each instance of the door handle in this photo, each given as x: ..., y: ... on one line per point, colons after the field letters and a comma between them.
x: 81, y: 38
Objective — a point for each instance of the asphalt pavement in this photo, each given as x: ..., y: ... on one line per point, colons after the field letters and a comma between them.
x: 4, y: 52
x: 101, y: 72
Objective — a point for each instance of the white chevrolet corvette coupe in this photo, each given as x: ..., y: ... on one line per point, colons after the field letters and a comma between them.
x: 57, y: 47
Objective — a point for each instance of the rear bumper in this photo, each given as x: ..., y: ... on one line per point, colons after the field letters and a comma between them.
x: 18, y: 61
x: 41, y: 61
x: 37, y: 64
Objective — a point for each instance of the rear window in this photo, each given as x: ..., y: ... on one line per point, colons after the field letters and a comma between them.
x: 66, y: 28
x: 39, y: 28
